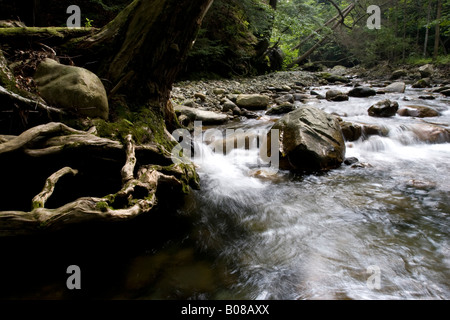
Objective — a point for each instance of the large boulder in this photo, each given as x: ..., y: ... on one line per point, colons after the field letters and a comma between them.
x: 252, y: 101
x: 310, y: 140
x: 72, y: 88
x: 336, y: 95
x: 398, y: 74
x: 384, y: 108
x: 362, y: 92
x: 431, y: 133
x: 396, y: 87
x: 418, y: 111
x: 426, y: 70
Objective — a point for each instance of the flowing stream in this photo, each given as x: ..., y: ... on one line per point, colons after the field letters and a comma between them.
x: 380, y: 231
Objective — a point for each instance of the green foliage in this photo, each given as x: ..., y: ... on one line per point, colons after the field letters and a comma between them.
x: 420, y: 60
x: 88, y: 23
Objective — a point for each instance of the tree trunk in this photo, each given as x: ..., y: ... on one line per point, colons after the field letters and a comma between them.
x: 425, y: 44
x: 140, y: 53
x: 338, y: 23
x: 273, y: 4
x: 143, y: 48
x: 437, y: 30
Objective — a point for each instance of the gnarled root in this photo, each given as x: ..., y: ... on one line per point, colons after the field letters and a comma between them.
x: 141, y: 181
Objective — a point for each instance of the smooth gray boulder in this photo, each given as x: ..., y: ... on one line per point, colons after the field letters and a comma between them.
x: 383, y: 109
x: 310, y: 140
x: 252, y: 101
x: 72, y: 88
x: 362, y: 92
x: 396, y: 87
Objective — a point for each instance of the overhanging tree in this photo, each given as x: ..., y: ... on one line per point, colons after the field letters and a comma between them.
x: 141, y: 51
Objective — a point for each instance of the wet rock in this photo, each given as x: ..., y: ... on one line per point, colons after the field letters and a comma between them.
x: 219, y: 91
x: 228, y: 105
x: 374, y: 130
x: 332, y: 78
x: 195, y: 114
x: 72, y: 88
x: 446, y: 92
x: 418, y: 111
x: 350, y: 161
x: 397, y: 74
x: 421, y: 185
x: 351, y: 131
x: 200, y: 96
x: 427, y: 97
x: 339, y: 70
x: 310, y: 140
x: 249, y: 114
x: 422, y: 83
x: 285, y: 98
x: 362, y: 92
x: 252, y: 101
x: 440, y: 89
x: 426, y: 70
x: 302, y: 96
x: 281, y: 109
x: 384, y: 108
x: 431, y: 133
x: 336, y: 95
x: 318, y: 95
x: 395, y: 87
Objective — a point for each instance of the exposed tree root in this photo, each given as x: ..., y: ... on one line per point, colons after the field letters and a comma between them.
x: 40, y: 199
x: 140, y: 182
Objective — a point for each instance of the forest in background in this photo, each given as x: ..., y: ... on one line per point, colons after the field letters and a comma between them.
x: 247, y: 37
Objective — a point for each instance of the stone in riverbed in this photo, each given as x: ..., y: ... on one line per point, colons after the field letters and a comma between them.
x: 362, y: 92
x: 351, y: 131
x: 207, y: 117
x: 72, y: 88
x: 252, y: 101
x: 398, y: 74
x: 310, y: 140
x: 398, y: 87
x: 336, y: 95
x: 422, y: 83
x: 281, y: 109
x: 426, y: 70
x: 384, y: 108
x: 431, y: 133
x: 418, y: 111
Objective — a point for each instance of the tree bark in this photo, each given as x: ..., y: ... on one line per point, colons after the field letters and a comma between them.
x: 437, y: 30
x: 143, y: 48
x: 140, y: 52
x: 319, y: 43
x: 425, y: 43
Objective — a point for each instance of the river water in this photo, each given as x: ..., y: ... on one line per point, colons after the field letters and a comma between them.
x: 380, y: 230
